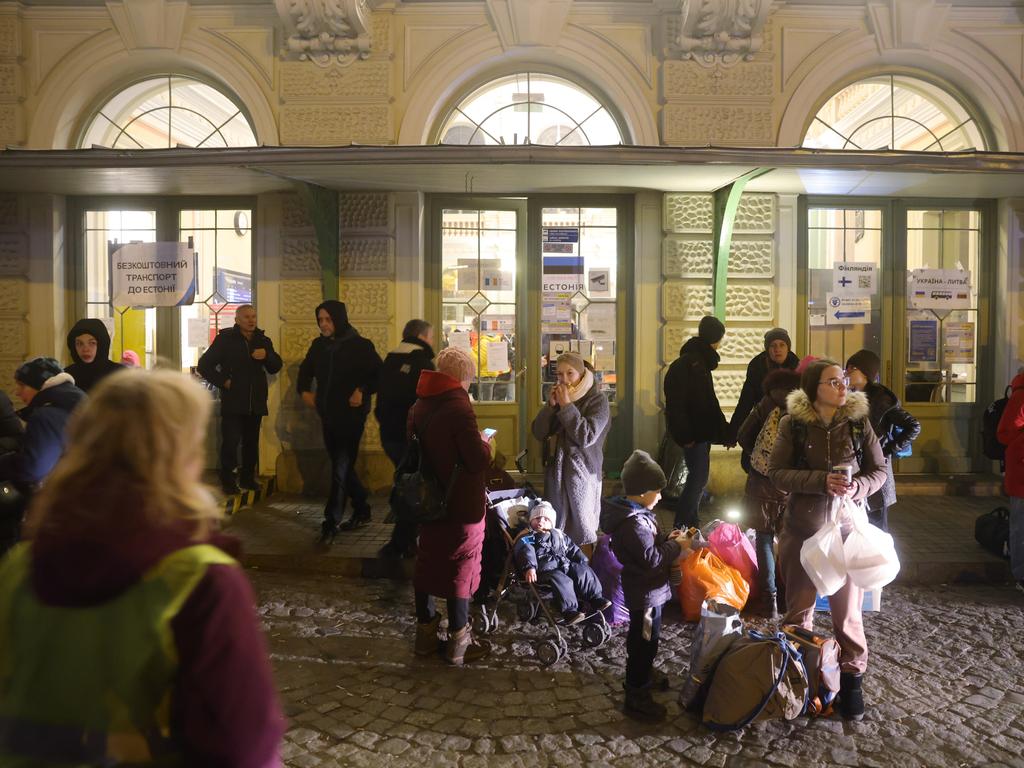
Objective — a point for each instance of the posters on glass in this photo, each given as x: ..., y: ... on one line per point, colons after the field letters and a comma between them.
x: 497, y: 356
x: 556, y: 314
x: 958, y: 342
x: 198, y: 332
x: 599, y: 282
x: 853, y: 278
x: 942, y: 289
x: 600, y: 321
x: 847, y: 310
x: 460, y: 340
x: 924, y: 341
x: 500, y: 323
x: 153, y: 275
x: 604, y: 355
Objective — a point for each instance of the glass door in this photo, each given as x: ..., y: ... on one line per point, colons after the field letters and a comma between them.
x: 477, y: 278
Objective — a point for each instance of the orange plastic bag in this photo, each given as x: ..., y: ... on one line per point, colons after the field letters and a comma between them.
x: 706, y: 577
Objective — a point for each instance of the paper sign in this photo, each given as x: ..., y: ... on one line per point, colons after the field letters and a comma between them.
x: 599, y: 282
x: 560, y: 234
x: 600, y: 321
x: 153, y: 275
x: 556, y: 348
x: 497, y: 356
x: 958, y: 342
x: 604, y: 355
x: 853, y: 278
x: 847, y: 310
x: 584, y: 347
x: 556, y: 315
x: 500, y: 323
x: 493, y: 277
x: 924, y: 341
x: 939, y: 289
x: 460, y: 340
x: 562, y: 274
x: 198, y: 332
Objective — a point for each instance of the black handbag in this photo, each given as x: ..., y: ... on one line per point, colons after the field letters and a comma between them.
x: 417, y: 495
x: 992, y: 531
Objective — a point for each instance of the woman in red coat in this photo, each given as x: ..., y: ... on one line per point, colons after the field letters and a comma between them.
x: 448, y: 557
x: 1011, y: 434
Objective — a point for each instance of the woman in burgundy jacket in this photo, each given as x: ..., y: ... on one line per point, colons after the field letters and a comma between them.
x: 1011, y: 434
x: 448, y: 558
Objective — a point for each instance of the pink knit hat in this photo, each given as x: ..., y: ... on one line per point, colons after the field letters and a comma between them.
x: 805, y: 362
x: 130, y: 357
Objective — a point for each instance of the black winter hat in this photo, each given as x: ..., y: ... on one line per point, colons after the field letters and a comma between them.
x: 36, y: 371
x: 641, y: 474
x: 711, y: 329
x: 777, y: 334
x: 867, y: 362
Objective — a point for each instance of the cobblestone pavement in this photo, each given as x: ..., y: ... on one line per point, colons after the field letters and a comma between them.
x: 945, y: 687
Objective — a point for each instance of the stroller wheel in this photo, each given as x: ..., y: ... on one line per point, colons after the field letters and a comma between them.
x: 494, y: 623
x: 548, y: 651
x: 481, y: 624
x: 593, y: 635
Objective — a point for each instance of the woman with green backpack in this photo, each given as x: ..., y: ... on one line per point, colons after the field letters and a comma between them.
x: 764, y: 503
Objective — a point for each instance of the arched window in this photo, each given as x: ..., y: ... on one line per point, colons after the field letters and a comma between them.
x: 167, y: 111
x: 894, y: 112
x: 530, y: 108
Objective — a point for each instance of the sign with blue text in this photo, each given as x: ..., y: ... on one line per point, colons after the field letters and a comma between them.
x: 847, y: 310
x: 854, y: 278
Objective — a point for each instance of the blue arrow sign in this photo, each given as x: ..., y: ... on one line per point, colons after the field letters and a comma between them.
x: 850, y: 314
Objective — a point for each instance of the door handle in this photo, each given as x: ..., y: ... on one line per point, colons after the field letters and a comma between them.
x: 520, y: 372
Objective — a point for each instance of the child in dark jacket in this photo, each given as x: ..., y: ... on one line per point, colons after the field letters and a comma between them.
x: 647, y: 557
x: 547, y: 555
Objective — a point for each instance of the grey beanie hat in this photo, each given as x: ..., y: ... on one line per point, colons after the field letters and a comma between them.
x: 641, y: 474
x: 711, y: 329
x: 37, y: 371
x: 777, y: 334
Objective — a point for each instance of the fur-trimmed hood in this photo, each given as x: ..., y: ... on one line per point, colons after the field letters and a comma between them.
x: 799, y: 406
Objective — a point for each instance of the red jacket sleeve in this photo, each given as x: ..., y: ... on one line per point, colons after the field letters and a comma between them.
x: 1012, y: 421
x: 225, y: 707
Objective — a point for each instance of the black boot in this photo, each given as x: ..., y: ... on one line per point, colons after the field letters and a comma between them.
x: 359, y: 518
x: 328, y: 531
x: 640, y: 705
x: 851, y: 698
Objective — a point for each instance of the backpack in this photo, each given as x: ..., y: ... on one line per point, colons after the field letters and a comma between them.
x: 417, y: 495
x: 990, y: 445
x: 762, y: 450
x: 800, y: 439
x: 821, y: 663
x: 992, y: 531
x: 760, y: 677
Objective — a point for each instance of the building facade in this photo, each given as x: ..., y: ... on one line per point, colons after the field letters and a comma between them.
x: 509, y: 253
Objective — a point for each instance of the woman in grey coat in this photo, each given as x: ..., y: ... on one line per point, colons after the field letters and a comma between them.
x: 574, y: 422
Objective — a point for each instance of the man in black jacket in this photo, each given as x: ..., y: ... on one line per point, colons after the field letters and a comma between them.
x: 345, y: 367
x: 695, y: 419
x: 778, y: 353
x: 237, y: 363
x: 396, y: 393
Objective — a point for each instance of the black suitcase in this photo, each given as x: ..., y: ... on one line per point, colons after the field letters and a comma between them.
x: 992, y: 531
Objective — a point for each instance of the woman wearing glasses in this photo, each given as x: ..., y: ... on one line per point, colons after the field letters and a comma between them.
x: 826, y: 427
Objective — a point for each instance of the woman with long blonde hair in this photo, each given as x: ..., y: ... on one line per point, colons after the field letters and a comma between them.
x: 127, y: 631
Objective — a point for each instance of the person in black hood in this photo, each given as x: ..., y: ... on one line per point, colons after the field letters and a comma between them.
x: 895, y: 427
x: 89, y: 345
x: 238, y: 362
x: 778, y: 353
x: 396, y: 394
x: 345, y: 367
x: 695, y: 419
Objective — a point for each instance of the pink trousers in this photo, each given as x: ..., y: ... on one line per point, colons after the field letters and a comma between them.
x: 846, y: 604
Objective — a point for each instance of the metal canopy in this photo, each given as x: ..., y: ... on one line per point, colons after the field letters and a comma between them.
x: 510, y: 169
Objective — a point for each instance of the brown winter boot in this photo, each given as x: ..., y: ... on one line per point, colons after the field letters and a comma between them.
x: 427, y: 641
x: 462, y: 648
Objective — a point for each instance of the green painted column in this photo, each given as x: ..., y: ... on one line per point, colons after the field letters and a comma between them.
x: 726, y: 203
x: 322, y: 204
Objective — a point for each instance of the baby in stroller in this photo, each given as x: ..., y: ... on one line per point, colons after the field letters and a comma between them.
x: 546, y: 555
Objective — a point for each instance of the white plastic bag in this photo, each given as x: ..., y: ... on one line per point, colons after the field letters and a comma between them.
x: 871, y: 560
x: 822, y: 557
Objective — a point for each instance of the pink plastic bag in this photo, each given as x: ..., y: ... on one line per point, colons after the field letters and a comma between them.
x: 735, y: 550
x: 609, y: 573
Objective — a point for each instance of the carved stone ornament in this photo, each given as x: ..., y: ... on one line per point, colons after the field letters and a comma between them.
x: 323, y: 31
x: 722, y: 31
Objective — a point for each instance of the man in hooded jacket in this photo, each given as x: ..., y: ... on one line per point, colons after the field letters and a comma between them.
x: 89, y: 345
x: 778, y: 353
x: 345, y: 367
x: 695, y: 419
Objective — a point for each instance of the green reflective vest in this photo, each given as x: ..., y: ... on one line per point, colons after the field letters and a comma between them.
x: 92, y: 686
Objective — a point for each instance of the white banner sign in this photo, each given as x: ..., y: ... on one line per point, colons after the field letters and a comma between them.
x: 848, y: 310
x: 852, y: 278
x: 153, y: 275
x: 939, y: 289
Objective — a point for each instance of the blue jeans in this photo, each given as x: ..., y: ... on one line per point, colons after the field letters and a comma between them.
x: 698, y: 469
x: 1017, y: 537
x: 766, y: 561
